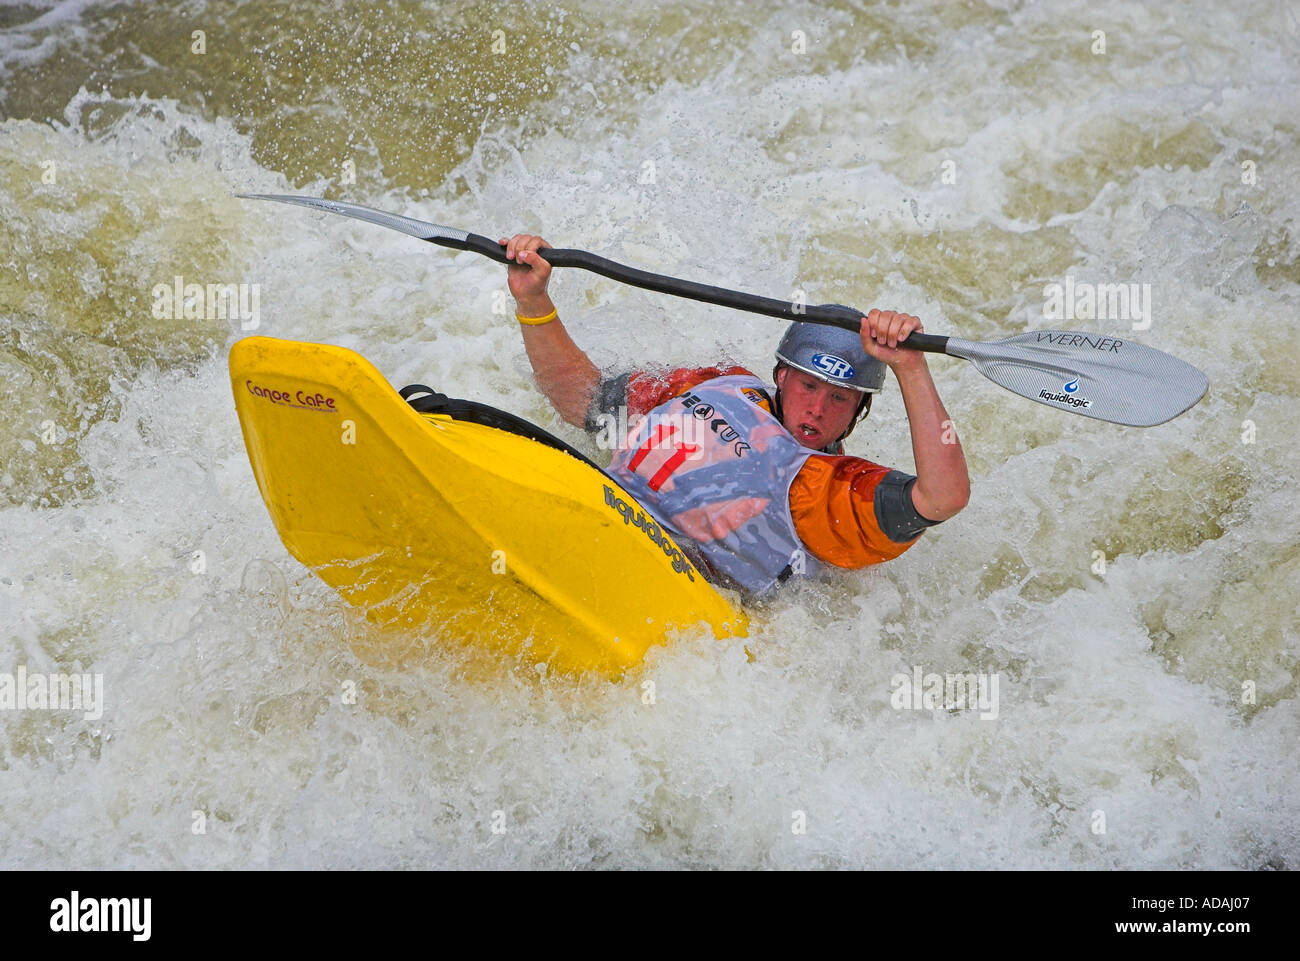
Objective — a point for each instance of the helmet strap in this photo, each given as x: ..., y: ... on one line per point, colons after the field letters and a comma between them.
x: 864, y: 408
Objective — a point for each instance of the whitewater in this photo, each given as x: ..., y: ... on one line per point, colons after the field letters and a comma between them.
x: 1133, y: 592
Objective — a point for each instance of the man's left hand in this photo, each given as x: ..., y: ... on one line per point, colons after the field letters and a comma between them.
x: 881, y: 332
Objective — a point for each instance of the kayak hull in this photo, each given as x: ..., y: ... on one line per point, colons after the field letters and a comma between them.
x: 431, y: 523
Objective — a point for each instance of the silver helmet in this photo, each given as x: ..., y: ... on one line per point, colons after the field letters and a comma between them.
x: 832, y: 355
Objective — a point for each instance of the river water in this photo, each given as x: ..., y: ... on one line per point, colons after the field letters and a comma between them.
x: 1132, y: 591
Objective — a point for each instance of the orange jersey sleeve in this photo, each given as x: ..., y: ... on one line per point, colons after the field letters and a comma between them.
x: 646, y: 390
x: 832, y: 503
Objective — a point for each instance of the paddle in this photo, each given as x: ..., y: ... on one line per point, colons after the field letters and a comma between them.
x: 1090, y: 374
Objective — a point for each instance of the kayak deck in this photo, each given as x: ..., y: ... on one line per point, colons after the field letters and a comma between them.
x: 433, y: 521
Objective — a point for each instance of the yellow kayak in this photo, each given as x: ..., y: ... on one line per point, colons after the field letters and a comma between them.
x: 463, y: 520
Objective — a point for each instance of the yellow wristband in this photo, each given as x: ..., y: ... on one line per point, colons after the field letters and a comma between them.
x: 537, y: 321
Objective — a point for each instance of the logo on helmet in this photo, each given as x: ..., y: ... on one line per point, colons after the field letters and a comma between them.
x: 833, y: 366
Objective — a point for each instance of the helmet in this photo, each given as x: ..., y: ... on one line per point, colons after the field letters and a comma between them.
x: 831, y: 354
x: 835, y: 356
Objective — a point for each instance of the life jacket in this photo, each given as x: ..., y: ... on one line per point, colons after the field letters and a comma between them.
x: 714, y: 468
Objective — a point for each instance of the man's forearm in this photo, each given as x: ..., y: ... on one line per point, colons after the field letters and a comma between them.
x: 942, y: 481
x: 564, y: 373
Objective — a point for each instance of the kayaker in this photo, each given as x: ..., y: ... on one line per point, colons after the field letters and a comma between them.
x: 756, y: 477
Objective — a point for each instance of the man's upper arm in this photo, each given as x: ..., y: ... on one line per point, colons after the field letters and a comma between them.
x: 850, y: 512
x: 641, y: 391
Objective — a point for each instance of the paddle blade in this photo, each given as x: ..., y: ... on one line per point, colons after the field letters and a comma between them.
x: 407, y: 225
x: 1098, y: 376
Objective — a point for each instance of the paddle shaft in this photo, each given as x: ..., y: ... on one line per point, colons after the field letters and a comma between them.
x: 829, y: 315
x: 1098, y: 376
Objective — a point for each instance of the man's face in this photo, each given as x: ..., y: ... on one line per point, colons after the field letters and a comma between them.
x: 816, y: 413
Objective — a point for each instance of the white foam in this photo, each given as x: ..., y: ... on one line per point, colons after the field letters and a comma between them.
x: 1121, y: 693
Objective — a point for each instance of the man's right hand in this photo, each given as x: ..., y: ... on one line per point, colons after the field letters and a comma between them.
x: 528, y: 275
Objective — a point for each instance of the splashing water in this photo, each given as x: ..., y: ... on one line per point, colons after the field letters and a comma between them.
x: 1132, y: 591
